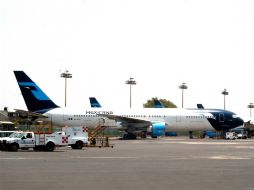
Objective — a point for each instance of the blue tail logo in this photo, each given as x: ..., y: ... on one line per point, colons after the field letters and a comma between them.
x: 36, y: 100
x: 37, y: 92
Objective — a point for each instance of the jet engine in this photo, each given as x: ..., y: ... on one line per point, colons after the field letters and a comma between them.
x: 158, y: 129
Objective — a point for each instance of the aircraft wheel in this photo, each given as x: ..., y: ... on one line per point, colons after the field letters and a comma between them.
x: 144, y: 135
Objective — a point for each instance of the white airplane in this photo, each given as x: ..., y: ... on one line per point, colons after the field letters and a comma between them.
x: 156, y: 121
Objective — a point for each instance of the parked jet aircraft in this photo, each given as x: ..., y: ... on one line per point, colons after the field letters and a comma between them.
x: 156, y: 121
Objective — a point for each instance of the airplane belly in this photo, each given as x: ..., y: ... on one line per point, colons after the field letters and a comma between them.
x: 188, y: 125
x: 202, y: 125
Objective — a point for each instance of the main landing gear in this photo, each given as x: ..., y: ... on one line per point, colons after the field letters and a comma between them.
x: 133, y: 136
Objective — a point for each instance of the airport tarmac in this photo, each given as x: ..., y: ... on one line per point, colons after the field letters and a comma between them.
x: 166, y: 163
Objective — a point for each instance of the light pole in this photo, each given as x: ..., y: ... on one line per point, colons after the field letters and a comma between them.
x: 250, y: 106
x: 131, y: 82
x: 225, y: 93
x: 65, y: 75
x: 183, y: 86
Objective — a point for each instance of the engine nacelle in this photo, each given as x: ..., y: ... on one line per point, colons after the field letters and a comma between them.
x: 158, y: 129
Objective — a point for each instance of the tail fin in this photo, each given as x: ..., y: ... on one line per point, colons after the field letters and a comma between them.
x: 158, y: 104
x: 200, y: 106
x: 36, y: 100
x: 94, y: 103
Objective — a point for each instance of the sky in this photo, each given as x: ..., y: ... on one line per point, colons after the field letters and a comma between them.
x: 209, y: 45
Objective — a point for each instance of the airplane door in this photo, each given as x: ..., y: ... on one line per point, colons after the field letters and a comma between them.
x: 101, y: 121
x: 221, y: 117
x: 178, y: 118
x: 65, y: 117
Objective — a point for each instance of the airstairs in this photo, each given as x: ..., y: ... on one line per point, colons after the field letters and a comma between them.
x: 97, y: 138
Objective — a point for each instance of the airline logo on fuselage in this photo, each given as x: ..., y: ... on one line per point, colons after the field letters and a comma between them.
x: 99, y: 112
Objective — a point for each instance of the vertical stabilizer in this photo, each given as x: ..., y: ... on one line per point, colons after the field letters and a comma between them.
x: 200, y: 106
x: 36, y: 100
x: 94, y: 103
x: 158, y: 104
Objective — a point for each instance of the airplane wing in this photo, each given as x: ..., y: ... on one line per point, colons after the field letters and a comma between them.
x: 25, y: 113
x: 139, y: 123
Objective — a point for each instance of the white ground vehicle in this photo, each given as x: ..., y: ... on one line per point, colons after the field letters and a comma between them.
x: 11, y: 135
x: 230, y: 136
x: 241, y: 135
x: 77, y: 136
x: 6, y: 133
x: 26, y: 140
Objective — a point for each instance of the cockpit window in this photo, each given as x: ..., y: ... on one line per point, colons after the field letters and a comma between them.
x: 234, y: 116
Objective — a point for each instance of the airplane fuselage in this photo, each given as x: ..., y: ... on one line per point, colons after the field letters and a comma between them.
x: 175, y: 119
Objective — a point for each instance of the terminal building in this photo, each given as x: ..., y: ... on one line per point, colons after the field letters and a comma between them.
x: 6, y: 124
x: 19, y: 120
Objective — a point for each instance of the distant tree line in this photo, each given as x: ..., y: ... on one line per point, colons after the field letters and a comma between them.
x: 166, y: 103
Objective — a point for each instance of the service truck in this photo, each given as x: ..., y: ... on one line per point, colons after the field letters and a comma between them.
x: 12, y: 135
x: 6, y: 133
x: 26, y: 140
x: 230, y: 136
x: 77, y: 136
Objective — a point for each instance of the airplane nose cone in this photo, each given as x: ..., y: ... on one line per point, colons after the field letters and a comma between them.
x: 239, y: 121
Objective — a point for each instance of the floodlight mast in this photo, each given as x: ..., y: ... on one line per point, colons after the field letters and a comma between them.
x: 183, y: 86
x: 65, y: 75
x: 250, y: 106
x: 225, y: 93
x: 131, y: 82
